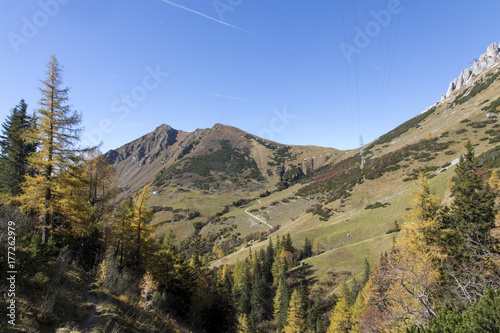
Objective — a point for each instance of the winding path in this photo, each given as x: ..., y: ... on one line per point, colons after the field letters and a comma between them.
x: 92, y: 319
x: 258, y: 218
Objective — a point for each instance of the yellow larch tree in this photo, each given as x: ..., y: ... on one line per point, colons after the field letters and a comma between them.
x: 360, y: 306
x: 296, y: 321
x: 243, y: 325
x: 148, y: 286
x: 340, y: 321
x: 412, y: 268
x: 140, y: 225
x: 56, y: 133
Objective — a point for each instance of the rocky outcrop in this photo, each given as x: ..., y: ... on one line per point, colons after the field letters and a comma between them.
x: 485, y: 62
x: 160, y: 139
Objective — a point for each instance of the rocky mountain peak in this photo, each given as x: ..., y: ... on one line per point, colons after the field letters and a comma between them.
x: 485, y: 62
x: 161, y: 138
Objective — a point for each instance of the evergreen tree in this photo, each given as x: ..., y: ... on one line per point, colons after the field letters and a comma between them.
x: 307, y: 251
x: 287, y: 243
x: 195, y: 261
x: 483, y: 316
x: 473, y: 212
x: 177, y: 279
x: 366, y: 272
x: 224, y: 305
x: 56, y: 134
x: 281, y: 301
x: 244, y: 300
x: 268, y: 262
x: 296, y: 321
x: 280, y: 266
x: 471, y: 248
x: 15, y: 150
x: 259, y: 298
x: 122, y: 231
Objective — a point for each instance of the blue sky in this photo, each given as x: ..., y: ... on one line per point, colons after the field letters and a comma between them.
x: 278, y: 69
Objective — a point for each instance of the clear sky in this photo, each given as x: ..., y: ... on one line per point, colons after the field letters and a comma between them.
x: 321, y: 72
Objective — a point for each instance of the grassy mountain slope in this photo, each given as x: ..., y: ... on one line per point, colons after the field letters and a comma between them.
x: 230, y: 185
x: 353, y: 232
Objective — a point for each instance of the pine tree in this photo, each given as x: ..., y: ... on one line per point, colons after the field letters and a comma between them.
x: 366, y: 272
x: 56, y: 133
x: 280, y: 266
x: 122, y: 231
x: 472, y: 250
x: 268, y: 262
x: 296, y: 321
x: 168, y: 240
x: 483, y: 316
x: 259, y: 298
x: 307, y: 251
x: 244, y: 299
x: 195, y: 260
x: 287, y: 243
x: 224, y: 304
x: 176, y: 278
x: 473, y: 213
x: 281, y: 301
x: 15, y: 150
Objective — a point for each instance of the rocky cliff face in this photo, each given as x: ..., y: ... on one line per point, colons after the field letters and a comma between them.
x: 146, y: 148
x: 137, y: 162
x: 485, y: 62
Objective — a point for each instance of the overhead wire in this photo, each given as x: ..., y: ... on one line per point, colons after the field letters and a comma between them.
x: 377, y: 79
x: 356, y: 67
x: 359, y: 88
x: 389, y: 62
x: 348, y: 67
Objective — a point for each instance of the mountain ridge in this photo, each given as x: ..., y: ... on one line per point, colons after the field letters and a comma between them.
x: 138, y: 162
x: 484, y: 63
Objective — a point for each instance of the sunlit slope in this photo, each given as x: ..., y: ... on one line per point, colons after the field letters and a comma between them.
x: 353, y: 233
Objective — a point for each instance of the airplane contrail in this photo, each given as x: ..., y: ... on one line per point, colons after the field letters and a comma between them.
x: 373, y: 65
x: 206, y: 16
x: 226, y: 96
